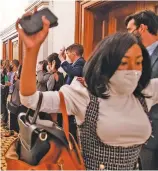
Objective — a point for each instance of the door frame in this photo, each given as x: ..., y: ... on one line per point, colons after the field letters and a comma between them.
x: 84, y: 23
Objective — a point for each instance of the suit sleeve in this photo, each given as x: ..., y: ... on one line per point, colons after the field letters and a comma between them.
x: 152, y: 90
x: 73, y: 70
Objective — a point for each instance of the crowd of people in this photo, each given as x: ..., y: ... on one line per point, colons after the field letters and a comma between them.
x: 48, y: 78
x: 114, y: 101
x: 10, y: 75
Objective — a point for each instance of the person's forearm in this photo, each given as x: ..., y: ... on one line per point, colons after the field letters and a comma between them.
x: 28, y: 74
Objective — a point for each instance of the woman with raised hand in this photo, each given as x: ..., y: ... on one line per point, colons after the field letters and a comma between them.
x: 111, y: 111
x: 42, y: 76
x: 56, y: 79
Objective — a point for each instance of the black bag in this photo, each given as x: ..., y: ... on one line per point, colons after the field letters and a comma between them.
x: 40, y: 147
x: 15, y: 109
x: 33, y: 148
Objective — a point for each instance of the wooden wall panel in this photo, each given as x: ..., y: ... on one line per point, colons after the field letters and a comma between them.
x: 77, y: 21
x: 112, y: 23
x: 4, y: 51
x: 98, y: 30
x: 140, y: 5
x: 105, y: 28
x: 116, y: 11
x: 150, y: 5
x: 10, y: 50
x: 87, y: 32
x: 7, y: 50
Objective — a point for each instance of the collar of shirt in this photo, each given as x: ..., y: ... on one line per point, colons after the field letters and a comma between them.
x: 152, y: 47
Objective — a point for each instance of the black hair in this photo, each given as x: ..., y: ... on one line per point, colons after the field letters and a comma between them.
x: 77, y: 48
x: 44, y: 63
x: 106, y: 59
x: 146, y: 17
x: 10, y: 68
x: 54, y: 57
x: 16, y: 62
x: 19, y: 71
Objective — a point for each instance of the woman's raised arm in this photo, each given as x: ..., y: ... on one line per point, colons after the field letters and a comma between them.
x: 32, y: 45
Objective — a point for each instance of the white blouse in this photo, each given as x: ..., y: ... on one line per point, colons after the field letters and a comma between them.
x: 122, y: 120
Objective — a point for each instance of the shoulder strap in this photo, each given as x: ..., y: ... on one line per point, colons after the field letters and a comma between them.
x: 66, y: 126
x: 65, y: 118
x: 33, y: 121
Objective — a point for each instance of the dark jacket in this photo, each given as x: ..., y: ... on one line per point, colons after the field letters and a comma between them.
x: 53, y: 85
x: 42, y: 79
x: 73, y: 70
x: 15, y: 95
x: 153, y: 141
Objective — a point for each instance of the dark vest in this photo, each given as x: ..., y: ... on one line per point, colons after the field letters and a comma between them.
x: 98, y: 155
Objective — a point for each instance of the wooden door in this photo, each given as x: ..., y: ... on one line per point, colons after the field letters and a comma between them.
x: 98, y: 19
x: 110, y: 19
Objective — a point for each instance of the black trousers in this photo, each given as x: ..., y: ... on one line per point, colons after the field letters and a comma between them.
x: 149, y: 159
x: 73, y: 127
x: 4, y: 110
x: 13, y: 122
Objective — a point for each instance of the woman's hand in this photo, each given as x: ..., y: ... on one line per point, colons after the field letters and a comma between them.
x: 32, y: 44
x: 37, y: 39
x: 62, y: 55
x: 8, y: 84
x: 53, y: 65
x: 82, y: 81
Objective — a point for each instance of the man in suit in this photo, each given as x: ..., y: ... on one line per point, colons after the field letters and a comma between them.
x: 144, y: 25
x: 74, y: 53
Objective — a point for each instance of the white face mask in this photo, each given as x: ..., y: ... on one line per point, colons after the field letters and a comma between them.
x: 124, y: 82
